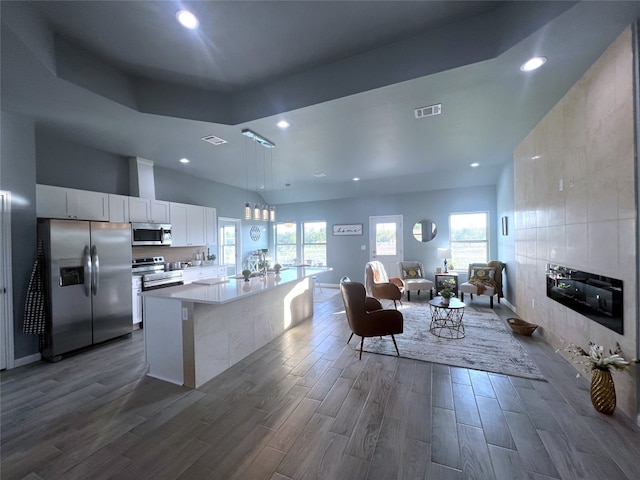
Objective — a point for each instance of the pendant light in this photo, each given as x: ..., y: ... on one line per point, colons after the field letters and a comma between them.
x: 259, y: 212
x: 272, y: 208
x: 265, y: 208
x: 247, y: 205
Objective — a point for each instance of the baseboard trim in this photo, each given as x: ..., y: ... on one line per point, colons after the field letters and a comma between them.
x: 20, y: 362
x: 505, y: 302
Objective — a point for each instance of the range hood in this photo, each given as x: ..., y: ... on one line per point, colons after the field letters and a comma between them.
x: 141, y: 179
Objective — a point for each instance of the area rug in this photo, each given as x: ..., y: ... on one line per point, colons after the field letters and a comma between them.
x: 488, y: 345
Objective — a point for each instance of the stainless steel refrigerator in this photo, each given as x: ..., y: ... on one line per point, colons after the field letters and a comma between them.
x: 88, y: 288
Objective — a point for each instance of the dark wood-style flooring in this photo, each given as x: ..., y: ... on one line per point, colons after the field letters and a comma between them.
x: 304, y: 407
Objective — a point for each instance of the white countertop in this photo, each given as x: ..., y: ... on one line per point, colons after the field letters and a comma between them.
x: 234, y: 289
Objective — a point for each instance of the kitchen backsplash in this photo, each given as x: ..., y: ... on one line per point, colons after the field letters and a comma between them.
x: 170, y: 254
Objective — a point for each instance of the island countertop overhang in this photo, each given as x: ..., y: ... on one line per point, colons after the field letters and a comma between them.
x: 232, y: 289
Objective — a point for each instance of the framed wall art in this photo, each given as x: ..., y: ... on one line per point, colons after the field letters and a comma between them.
x: 348, y: 229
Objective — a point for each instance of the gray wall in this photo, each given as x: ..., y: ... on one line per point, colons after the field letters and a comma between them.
x: 344, y: 253
x: 18, y: 176
x: 67, y: 164
x: 506, y: 244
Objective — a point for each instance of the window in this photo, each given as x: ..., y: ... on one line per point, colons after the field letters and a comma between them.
x: 286, y: 243
x: 314, y: 246
x: 228, y: 245
x: 386, y: 236
x: 469, y: 238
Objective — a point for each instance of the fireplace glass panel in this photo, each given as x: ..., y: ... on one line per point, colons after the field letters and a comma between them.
x: 594, y: 296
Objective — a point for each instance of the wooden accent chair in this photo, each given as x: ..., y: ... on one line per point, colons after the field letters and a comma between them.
x: 413, y: 278
x: 484, y: 279
x: 379, y: 285
x: 365, y: 323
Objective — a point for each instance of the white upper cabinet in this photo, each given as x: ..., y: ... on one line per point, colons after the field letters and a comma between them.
x: 187, y: 225
x: 195, y: 225
x: 118, y: 208
x: 60, y: 202
x: 178, y: 213
x: 148, y: 211
x: 160, y: 211
x: 211, y: 222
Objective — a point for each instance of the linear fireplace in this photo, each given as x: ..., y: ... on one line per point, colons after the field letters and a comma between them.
x: 594, y: 296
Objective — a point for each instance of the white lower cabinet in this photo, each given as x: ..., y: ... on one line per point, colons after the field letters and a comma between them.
x: 136, y: 289
x: 200, y: 273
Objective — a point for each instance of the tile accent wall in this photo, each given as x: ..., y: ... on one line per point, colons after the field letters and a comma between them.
x: 586, y: 142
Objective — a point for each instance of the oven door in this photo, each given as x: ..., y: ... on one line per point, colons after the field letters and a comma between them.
x: 156, y: 284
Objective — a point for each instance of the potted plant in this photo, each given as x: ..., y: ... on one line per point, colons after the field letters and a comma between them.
x: 277, y: 268
x: 246, y: 274
x: 447, y: 291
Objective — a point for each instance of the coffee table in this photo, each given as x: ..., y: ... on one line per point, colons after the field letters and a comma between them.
x: 446, y: 320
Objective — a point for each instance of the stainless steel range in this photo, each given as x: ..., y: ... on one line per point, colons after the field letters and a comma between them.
x: 152, y: 270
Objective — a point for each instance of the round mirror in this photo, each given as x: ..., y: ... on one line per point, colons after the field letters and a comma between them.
x: 425, y: 230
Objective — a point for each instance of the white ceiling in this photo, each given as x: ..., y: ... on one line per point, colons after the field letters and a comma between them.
x: 124, y: 77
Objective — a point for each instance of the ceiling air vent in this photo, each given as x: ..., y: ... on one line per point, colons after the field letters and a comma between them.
x: 429, y: 111
x: 212, y: 139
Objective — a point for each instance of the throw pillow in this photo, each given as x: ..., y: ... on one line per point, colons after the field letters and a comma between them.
x: 483, y: 273
x: 413, y: 272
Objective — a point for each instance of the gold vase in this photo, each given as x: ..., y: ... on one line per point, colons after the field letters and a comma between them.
x: 603, y: 391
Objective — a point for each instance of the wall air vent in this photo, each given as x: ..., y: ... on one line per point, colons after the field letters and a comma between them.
x: 429, y: 111
x: 212, y: 139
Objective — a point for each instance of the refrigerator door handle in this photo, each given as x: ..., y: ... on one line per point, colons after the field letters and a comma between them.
x: 88, y: 271
x: 95, y: 260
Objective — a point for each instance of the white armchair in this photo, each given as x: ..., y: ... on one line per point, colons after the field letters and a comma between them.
x: 484, y: 279
x: 412, y: 274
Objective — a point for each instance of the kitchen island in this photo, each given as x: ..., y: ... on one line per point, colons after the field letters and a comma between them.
x: 194, y: 332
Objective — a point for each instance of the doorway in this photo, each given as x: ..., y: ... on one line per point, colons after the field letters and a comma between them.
x: 386, y: 242
x: 230, y: 247
x: 6, y: 304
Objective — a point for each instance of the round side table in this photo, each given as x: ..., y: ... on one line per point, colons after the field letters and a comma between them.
x: 446, y: 320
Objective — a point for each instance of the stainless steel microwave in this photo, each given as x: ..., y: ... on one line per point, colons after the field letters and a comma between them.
x: 150, y: 234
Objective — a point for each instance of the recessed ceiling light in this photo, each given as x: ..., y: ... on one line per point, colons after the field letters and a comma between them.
x: 283, y: 124
x: 474, y: 164
x: 187, y: 19
x: 184, y: 160
x: 533, y: 64
x: 355, y: 179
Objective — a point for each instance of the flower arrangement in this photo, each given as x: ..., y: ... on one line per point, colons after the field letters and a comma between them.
x: 448, y: 288
x: 596, y: 359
